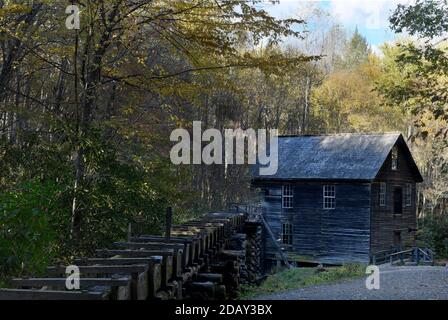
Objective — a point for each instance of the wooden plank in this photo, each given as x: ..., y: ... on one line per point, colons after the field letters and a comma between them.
x: 154, y: 245
x: 60, y: 282
x: 155, y: 280
x: 208, y: 277
x: 187, y: 255
x: 139, y: 274
x: 166, y: 262
x: 171, y: 266
x: 207, y: 290
x: 145, y: 254
x: 179, y: 253
x: 24, y: 294
x: 210, y: 232
x: 114, y: 261
x: 234, y: 255
x: 155, y: 265
x: 120, y: 287
x: 140, y: 285
x: 151, y: 238
x: 97, y: 269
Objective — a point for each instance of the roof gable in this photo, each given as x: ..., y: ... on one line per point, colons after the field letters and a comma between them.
x: 410, y: 165
x: 333, y: 157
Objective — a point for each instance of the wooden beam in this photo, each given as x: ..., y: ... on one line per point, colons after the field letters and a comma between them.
x: 61, y: 282
x: 97, y: 269
x: 114, y: 261
x: 153, y: 245
x: 168, y: 222
x: 26, y: 294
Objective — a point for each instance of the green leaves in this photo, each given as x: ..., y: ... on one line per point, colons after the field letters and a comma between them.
x: 425, y: 18
x: 26, y: 233
x: 434, y: 234
x: 426, y: 61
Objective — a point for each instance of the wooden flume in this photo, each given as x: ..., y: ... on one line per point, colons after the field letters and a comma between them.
x: 190, y: 261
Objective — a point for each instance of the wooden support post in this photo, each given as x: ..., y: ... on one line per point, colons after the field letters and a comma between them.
x: 129, y: 231
x: 168, y: 222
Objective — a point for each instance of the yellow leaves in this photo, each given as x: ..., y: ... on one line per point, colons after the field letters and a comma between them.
x: 371, y: 68
x: 141, y: 60
x: 431, y: 124
x: 128, y: 111
x: 14, y: 8
x: 347, y: 101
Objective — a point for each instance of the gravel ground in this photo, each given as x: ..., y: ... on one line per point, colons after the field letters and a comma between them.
x: 396, y: 283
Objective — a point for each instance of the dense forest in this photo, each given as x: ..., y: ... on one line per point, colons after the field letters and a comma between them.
x: 86, y: 114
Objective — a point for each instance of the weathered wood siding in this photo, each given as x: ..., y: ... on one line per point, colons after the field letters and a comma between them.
x: 384, y: 223
x: 328, y: 236
x: 346, y: 229
x: 274, y: 215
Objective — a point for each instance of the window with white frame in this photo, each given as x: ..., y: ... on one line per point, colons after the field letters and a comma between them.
x: 287, y: 233
x: 408, y: 194
x: 394, y: 158
x: 382, y: 194
x: 329, y: 197
x: 287, y: 197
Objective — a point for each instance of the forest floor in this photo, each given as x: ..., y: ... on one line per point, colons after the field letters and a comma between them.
x: 396, y: 283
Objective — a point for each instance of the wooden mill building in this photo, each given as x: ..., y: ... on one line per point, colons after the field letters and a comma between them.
x: 340, y: 198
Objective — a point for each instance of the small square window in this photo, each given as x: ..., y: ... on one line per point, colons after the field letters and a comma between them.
x: 287, y: 197
x: 287, y: 233
x: 329, y: 194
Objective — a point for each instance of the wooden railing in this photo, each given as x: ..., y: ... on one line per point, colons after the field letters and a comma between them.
x: 402, y: 256
x: 416, y: 255
x: 423, y: 255
x: 382, y: 257
x: 253, y: 212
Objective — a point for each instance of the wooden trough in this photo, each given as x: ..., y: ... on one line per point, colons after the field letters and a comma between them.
x: 189, y: 261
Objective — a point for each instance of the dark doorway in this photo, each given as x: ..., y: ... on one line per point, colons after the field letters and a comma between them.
x: 397, y: 239
x: 398, y: 200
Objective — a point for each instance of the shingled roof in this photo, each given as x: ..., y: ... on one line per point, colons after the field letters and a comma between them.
x: 334, y: 157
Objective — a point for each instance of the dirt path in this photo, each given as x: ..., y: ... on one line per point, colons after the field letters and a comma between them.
x: 401, y: 283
